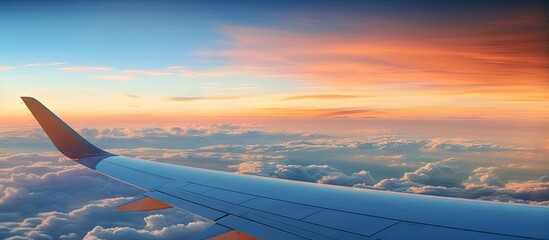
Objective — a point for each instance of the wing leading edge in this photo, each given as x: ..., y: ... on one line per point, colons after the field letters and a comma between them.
x: 250, y: 207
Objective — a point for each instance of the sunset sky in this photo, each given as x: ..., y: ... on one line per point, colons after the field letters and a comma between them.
x: 285, y: 59
x: 408, y: 90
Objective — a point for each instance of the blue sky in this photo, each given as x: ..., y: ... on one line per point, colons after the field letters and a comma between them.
x: 137, y: 34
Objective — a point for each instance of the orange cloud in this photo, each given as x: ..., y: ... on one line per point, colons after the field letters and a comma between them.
x: 130, y: 95
x: 322, y: 97
x: 319, y: 112
x: 494, y: 68
x: 4, y: 68
x: 506, y: 49
x: 188, y: 99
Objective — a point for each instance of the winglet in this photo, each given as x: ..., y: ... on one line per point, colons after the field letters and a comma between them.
x: 70, y: 143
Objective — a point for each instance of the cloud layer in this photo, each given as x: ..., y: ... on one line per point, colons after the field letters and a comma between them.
x: 43, y: 195
x: 438, y: 178
x: 46, y: 196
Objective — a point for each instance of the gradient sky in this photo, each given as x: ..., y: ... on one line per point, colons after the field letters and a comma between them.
x: 445, y: 98
x: 308, y: 59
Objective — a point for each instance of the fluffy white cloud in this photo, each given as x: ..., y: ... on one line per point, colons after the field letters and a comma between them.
x: 201, y: 135
x: 46, y: 196
x: 99, y: 218
x: 482, y: 184
x: 177, y: 231
x: 194, y: 136
x: 436, y: 174
x: 395, y: 184
x: 201, y: 130
x: 484, y: 176
x: 309, y: 173
x: 437, y: 178
x: 338, y: 178
x: 461, y: 145
x: 42, y: 185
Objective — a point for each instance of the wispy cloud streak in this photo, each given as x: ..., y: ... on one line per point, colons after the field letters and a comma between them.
x: 320, y: 112
x: 85, y: 68
x: 114, y: 77
x: 148, y: 72
x: 189, y: 99
x: 43, y: 64
x: 321, y: 97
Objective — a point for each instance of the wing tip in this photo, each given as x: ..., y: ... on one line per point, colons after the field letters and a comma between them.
x: 27, y: 99
x: 67, y: 141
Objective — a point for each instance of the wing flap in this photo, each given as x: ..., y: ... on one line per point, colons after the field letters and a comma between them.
x: 233, y: 235
x: 142, y: 203
x: 219, y: 232
x: 260, y: 230
x: 212, y: 231
x: 192, y: 207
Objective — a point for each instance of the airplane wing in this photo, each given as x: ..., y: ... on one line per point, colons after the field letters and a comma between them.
x: 253, y: 207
